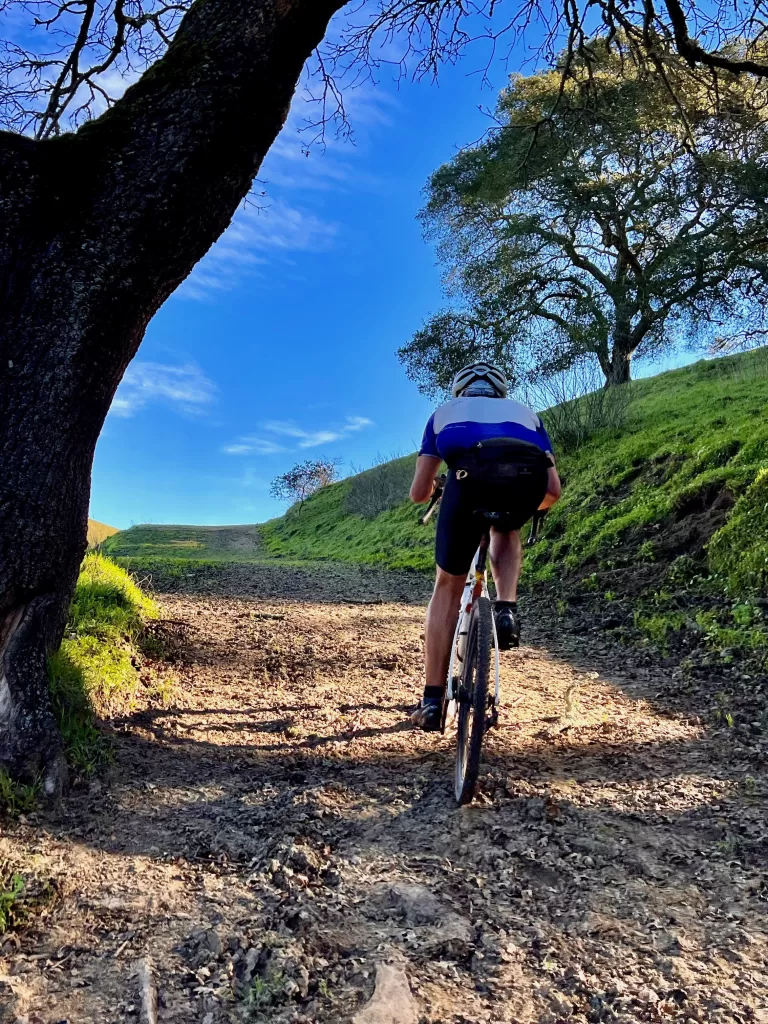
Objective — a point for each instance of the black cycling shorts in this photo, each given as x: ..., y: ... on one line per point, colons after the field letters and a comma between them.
x: 458, y: 528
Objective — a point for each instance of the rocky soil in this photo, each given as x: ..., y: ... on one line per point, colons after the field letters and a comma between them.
x: 278, y: 844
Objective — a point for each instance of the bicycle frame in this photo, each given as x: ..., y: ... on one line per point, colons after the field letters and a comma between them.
x: 476, y: 586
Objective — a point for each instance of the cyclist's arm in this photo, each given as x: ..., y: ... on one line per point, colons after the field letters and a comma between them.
x: 554, y: 489
x: 424, y: 478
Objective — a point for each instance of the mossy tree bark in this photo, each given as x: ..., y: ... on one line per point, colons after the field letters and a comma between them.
x: 97, y: 229
x: 617, y: 367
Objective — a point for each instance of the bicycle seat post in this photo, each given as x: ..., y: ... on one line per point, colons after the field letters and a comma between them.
x: 485, y: 540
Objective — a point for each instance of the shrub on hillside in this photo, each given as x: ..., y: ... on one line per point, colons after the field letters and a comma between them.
x: 303, y: 480
x: 739, y: 550
x: 379, y: 489
x: 580, y: 407
x: 751, y: 365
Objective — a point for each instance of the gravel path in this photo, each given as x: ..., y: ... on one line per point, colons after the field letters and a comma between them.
x: 278, y: 845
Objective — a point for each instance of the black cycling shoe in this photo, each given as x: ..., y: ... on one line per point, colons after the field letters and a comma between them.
x: 428, y: 714
x: 507, y: 624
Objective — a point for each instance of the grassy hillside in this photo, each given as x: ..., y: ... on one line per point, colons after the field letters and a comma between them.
x: 209, y: 543
x: 662, y: 532
x: 683, y: 482
x: 362, y: 519
x: 692, y: 446
x: 98, y: 533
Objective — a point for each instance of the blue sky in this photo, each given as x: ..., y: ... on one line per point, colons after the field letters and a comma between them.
x: 281, y: 345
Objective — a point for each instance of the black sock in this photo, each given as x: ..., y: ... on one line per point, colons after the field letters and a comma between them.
x: 507, y: 604
x: 433, y: 692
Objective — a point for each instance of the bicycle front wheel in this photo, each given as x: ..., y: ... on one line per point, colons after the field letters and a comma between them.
x: 473, y: 700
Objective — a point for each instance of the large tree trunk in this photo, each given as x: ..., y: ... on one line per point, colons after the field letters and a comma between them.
x: 96, y: 230
x: 619, y: 370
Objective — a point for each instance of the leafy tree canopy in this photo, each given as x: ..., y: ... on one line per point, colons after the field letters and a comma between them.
x: 304, y: 479
x: 613, y: 219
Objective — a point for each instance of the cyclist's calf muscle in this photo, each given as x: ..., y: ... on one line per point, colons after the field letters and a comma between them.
x: 554, y: 489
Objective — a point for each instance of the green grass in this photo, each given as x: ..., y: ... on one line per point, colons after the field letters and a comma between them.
x: 691, y: 438
x: 11, y: 892
x: 213, y: 543
x: 95, y: 669
x: 739, y: 551
x: 324, y: 529
x: 24, y: 894
x: 658, y: 628
x: 16, y: 797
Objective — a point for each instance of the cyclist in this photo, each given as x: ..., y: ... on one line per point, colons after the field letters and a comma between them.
x: 480, y: 430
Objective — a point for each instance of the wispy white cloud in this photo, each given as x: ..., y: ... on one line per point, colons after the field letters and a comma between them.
x: 293, y: 162
x: 303, y: 438
x: 313, y: 438
x: 358, y: 423
x: 185, y: 387
x: 253, y: 446
x: 257, y: 232
x: 280, y: 226
x: 317, y: 437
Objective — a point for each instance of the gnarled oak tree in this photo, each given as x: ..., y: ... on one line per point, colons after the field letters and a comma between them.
x: 101, y: 219
x: 606, y: 220
x: 97, y: 228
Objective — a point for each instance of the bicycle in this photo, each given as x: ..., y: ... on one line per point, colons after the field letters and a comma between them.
x: 475, y: 636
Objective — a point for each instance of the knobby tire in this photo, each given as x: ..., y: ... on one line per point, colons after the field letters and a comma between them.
x: 473, y: 700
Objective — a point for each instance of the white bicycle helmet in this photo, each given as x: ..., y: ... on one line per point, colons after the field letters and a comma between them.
x: 487, y: 372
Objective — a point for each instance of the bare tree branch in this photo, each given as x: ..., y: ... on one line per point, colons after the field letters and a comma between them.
x: 73, y: 58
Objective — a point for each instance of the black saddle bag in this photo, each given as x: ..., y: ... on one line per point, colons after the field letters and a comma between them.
x: 500, y: 461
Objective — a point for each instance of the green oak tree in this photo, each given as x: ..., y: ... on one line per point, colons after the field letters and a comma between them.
x: 607, y: 215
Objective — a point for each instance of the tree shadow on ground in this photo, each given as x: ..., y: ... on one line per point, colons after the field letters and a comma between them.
x: 154, y: 721
x: 614, y: 776
x: 586, y: 846
x: 321, y: 583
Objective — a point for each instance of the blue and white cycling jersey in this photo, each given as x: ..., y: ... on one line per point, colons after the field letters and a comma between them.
x: 462, y: 423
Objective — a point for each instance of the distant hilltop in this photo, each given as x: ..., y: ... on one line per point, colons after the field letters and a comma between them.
x: 98, y: 533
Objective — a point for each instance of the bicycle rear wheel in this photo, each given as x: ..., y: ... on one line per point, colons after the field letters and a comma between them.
x: 473, y: 700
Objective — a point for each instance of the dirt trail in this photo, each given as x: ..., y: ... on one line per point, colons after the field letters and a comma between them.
x: 278, y: 843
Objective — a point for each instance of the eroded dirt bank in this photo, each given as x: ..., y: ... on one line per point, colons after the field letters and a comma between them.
x: 276, y: 839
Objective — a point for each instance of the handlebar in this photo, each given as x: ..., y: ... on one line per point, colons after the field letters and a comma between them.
x: 433, y: 501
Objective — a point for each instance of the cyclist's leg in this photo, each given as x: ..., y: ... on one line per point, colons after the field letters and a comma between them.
x: 458, y: 534
x: 506, y: 553
x: 442, y: 615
